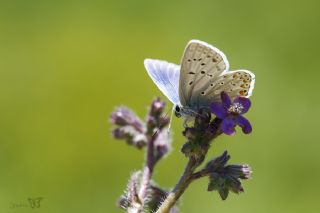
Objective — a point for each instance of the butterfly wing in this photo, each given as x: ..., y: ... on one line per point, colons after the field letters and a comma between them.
x: 235, y: 83
x: 166, y: 76
x: 201, y: 64
x: 204, y: 75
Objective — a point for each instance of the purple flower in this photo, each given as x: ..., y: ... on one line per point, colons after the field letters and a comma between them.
x: 231, y: 113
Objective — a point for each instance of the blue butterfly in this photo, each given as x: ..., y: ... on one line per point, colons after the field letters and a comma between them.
x: 203, y: 75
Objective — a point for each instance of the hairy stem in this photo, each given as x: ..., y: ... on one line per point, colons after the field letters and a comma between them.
x: 178, y: 190
x: 188, y: 176
x: 200, y: 174
x: 148, y: 169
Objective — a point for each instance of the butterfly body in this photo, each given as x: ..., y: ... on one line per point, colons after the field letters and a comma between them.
x: 184, y: 111
x: 203, y: 75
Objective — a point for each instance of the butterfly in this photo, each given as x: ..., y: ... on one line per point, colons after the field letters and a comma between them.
x: 35, y: 202
x: 199, y: 80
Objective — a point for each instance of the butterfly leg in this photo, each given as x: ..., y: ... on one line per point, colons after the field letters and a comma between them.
x: 185, y: 123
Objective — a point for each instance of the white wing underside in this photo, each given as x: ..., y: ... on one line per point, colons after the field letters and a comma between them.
x: 205, y: 74
x: 166, y: 76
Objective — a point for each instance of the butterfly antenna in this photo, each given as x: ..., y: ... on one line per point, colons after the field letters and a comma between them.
x: 170, y: 121
x: 165, y: 116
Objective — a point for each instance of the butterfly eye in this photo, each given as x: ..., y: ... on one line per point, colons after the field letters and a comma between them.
x: 177, y: 111
x: 177, y: 108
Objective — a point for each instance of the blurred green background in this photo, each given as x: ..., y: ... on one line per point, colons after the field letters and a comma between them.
x: 65, y: 65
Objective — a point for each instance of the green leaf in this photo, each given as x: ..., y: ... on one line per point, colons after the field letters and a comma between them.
x: 224, y: 192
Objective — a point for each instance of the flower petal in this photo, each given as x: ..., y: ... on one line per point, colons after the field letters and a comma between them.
x: 245, y: 102
x: 244, y: 124
x: 218, y: 110
x: 228, y: 125
x: 226, y: 101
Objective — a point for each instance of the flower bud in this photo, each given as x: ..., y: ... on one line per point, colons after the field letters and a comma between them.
x: 122, y: 116
x: 218, y: 162
x: 240, y: 171
x: 139, y: 140
x: 163, y: 121
x: 130, y: 135
x: 190, y: 133
x: 157, y: 107
x: 162, y: 144
x: 225, y: 178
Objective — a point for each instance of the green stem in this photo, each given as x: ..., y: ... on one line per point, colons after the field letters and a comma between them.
x: 189, y: 175
x: 178, y: 190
